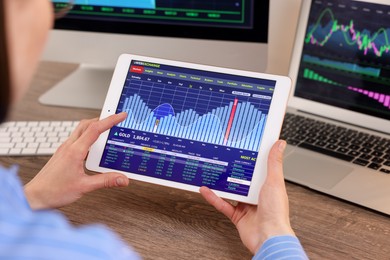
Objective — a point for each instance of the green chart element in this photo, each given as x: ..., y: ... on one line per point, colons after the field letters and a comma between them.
x: 309, y: 74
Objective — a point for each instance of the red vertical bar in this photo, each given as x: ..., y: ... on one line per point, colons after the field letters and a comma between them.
x: 229, y: 126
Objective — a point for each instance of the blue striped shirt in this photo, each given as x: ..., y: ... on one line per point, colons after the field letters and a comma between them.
x: 281, y: 247
x: 46, y: 234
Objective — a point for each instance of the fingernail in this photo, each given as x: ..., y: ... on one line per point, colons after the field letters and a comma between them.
x: 282, y: 146
x: 120, y: 182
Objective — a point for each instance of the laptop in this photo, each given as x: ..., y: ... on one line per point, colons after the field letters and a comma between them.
x: 337, y: 124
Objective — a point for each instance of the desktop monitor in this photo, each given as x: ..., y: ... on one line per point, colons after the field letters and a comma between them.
x: 226, y: 33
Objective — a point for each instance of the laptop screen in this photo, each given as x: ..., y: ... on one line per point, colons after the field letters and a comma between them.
x: 345, y: 60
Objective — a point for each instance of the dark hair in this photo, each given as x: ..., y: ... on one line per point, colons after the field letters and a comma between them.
x: 5, y: 84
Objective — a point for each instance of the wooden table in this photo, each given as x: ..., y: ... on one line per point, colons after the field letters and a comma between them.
x: 165, y: 223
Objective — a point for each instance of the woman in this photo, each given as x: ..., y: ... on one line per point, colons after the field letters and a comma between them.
x: 30, y: 230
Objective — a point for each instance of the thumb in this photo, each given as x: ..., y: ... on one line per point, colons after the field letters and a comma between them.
x: 275, y: 163
x: 105, y: 180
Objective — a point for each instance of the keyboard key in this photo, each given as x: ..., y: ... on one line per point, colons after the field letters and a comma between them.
x: 377, y: 154
x: 64, y: 134
x: 46, y: 151
x: 342, y: 150
x: 28, y: 134
x: 5, y: 134
x: 361, y: 162
x: 4, y: 151
x: 32, y: 145
x: 365, y: 157
x: 29, y: 140
x: 17, y: 140
x: 343, y: 144
x: 40, y: 134
x: 20, y: 145
x: 365, y: 150
x: 5, y: 140
x: 6, y: 145
x: 377, y: 160
x: 321, y: 143
x: 41, y: 140
x: 374, y: 166
x: 45, y: 145
x: 385, y: 170
x: 51, y: 134
x: 15, y: 151
x: 36, y: 129
x: 331, y: 146
x: 354, y: 153
x: 28, y: 151
x: 52, y: 140
x: 25, y: 129
x: 354, y: 147
x: 292, y: 141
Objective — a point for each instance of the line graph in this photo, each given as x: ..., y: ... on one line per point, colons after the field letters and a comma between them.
x: 365, y: 41
x: 202, y: 115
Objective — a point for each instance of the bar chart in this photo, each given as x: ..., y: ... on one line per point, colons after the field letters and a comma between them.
x: 234, y: 123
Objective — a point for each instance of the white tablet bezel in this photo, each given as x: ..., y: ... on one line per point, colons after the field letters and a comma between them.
x: 270, y: 135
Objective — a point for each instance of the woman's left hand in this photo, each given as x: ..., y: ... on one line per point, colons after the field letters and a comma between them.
x: 63, y: 179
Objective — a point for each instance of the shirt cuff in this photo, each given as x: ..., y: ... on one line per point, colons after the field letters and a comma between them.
x: 281, y: 247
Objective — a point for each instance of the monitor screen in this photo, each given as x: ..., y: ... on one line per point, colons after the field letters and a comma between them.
x: 346, y: 56
x: 228, y: 33
x: 203, y: 19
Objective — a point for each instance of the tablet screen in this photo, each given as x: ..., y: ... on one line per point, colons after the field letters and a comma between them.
x: 189, y: 126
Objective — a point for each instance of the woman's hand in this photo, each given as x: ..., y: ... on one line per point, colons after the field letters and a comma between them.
x: 63, y: 179
x: 270, y: 217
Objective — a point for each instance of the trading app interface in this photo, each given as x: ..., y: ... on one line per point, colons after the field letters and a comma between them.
x: 190, y: 126
x: 226, y: 13
x: 346, y: 56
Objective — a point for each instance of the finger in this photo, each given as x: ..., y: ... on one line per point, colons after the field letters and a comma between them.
x: 95, y: 129
x: 275, y: 163
x: 81, y: 127
x: 219, y: 204
x: 105, y: 180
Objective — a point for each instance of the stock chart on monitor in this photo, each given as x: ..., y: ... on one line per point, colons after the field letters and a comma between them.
x: 225, y: 13
x: 346, y: 56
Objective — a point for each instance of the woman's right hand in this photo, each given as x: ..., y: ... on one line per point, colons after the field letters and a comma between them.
x: 257, y: 223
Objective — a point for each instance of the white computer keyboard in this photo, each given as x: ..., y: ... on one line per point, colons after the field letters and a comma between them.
x: 26, y: 138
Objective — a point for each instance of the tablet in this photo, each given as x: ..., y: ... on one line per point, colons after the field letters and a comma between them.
x: 191, y: 125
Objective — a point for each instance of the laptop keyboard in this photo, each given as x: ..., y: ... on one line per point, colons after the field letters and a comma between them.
x: 346, y: 144
x: 33, y: 138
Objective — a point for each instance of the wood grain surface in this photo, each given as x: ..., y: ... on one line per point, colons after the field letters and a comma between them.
x: 165, y: 223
